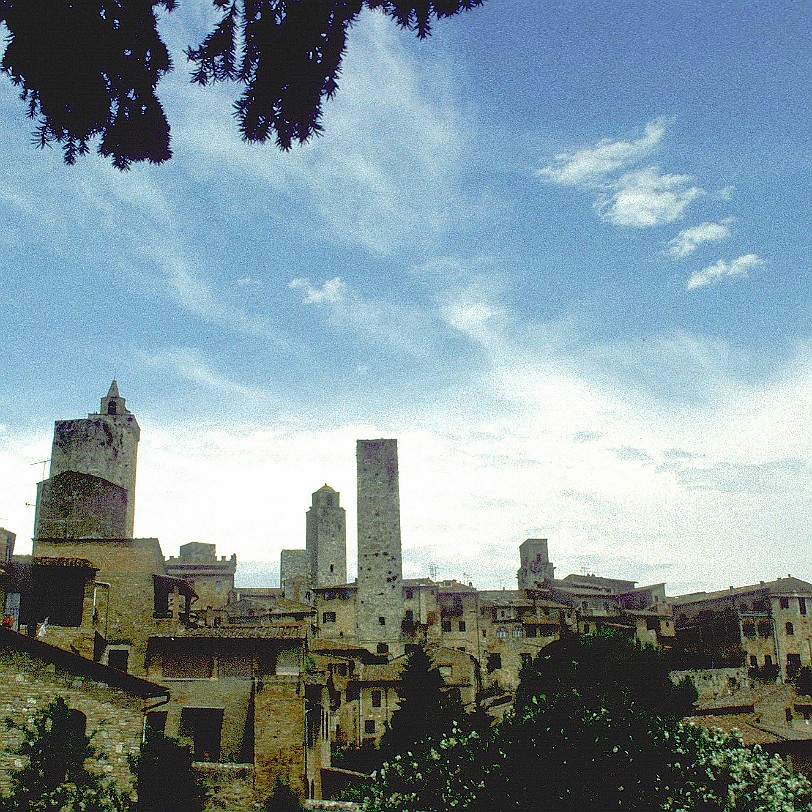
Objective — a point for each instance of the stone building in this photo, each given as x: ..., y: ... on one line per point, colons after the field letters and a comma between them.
x: 211, y: 578
x: 108, y: 704
x: 326, y: 539
x: 380, y: 567
x: 91, y: 488
x: 766, y: 627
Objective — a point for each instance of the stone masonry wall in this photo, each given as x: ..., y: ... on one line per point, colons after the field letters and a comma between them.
x: 380, y: 568
x: 279, y: 734
x: 114, y: 718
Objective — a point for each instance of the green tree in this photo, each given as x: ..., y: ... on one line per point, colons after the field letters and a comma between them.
x: 54, y: 776
x: 426, y: 711
x: 596, y: 727
x: 606, y: 669
x: 91, y: 69
x: 164, y: 777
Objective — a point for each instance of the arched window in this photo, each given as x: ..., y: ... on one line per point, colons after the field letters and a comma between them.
x: 111, y: 407
x: 502, y: 632
x: 517, y: 632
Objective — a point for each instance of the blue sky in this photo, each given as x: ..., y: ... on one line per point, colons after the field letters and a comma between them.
x: 560, y: 251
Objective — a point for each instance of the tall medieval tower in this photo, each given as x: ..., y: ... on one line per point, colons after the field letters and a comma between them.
x: 380, y: 569
x: 326, y: 539
x: 91, y: 488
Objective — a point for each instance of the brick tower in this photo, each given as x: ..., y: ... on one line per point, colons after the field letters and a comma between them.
x: 326, y: 539
x: 380, y: 570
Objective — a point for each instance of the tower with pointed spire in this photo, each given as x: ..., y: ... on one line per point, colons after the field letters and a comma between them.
x: 92, y: 473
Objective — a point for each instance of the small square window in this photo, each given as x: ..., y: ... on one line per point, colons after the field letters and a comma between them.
x: 446, y: 625
x: 383, y: 648
x: 382, y: 621
x: 369, y: 726
x: 328, y: 617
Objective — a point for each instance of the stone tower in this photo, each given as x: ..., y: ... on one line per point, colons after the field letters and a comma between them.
x: 380, y: 571
x: 326, y: 539
x: 535, y: 568
x: 91, y: 488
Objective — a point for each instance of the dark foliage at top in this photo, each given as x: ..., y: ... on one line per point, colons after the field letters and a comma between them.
x: 90, y: 69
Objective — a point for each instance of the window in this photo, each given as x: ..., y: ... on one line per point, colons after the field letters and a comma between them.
x: 382, y: 648
x: 203, y: 726
x: 156, y: 722
x: 462, y: 625
x: 352, y: 692
x: 790, y: 629
x: 117, y: 658
x: 793, y: 664
x: 526, y: 659
x: 381, y: 621
x: 218, y: 587
x: 446, y: 624
x: 409, y: 616
x: 530, y: 631
x: 749, y: 629
x: 494, y: 662
x: 328, y: 617
x: 517, y: 632
x: 753, y: 661
x: 502, y: 632
x: 768, y: 660
x: 788, y: 714
x: 802, y: 605
x: 408, y: 594
x: 332, y: 567
x: 764, y: 628
x: 784, y: 603
x: 77, y: 722
x: 369, y: 726
x: 376, y: 699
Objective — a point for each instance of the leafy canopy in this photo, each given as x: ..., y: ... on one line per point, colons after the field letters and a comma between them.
x: 90, y: 69
x: 595, y: 728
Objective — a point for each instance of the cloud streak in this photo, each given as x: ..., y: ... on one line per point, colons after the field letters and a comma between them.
x: 635, y: 198
x: 741, y: 266
x: 647, y: 198
x: 689, y: 239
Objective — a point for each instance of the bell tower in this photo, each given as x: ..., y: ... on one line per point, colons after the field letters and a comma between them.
x: 104, y: 446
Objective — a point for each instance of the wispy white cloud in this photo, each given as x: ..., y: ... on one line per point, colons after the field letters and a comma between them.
x: 333, y: 291
x: 399, y: 325
x: 740, y: 266
x: 191, y: 365
x: 689, y: 239
x: 647, y: 198
x: 593, y: 164
x: 635, y: 198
